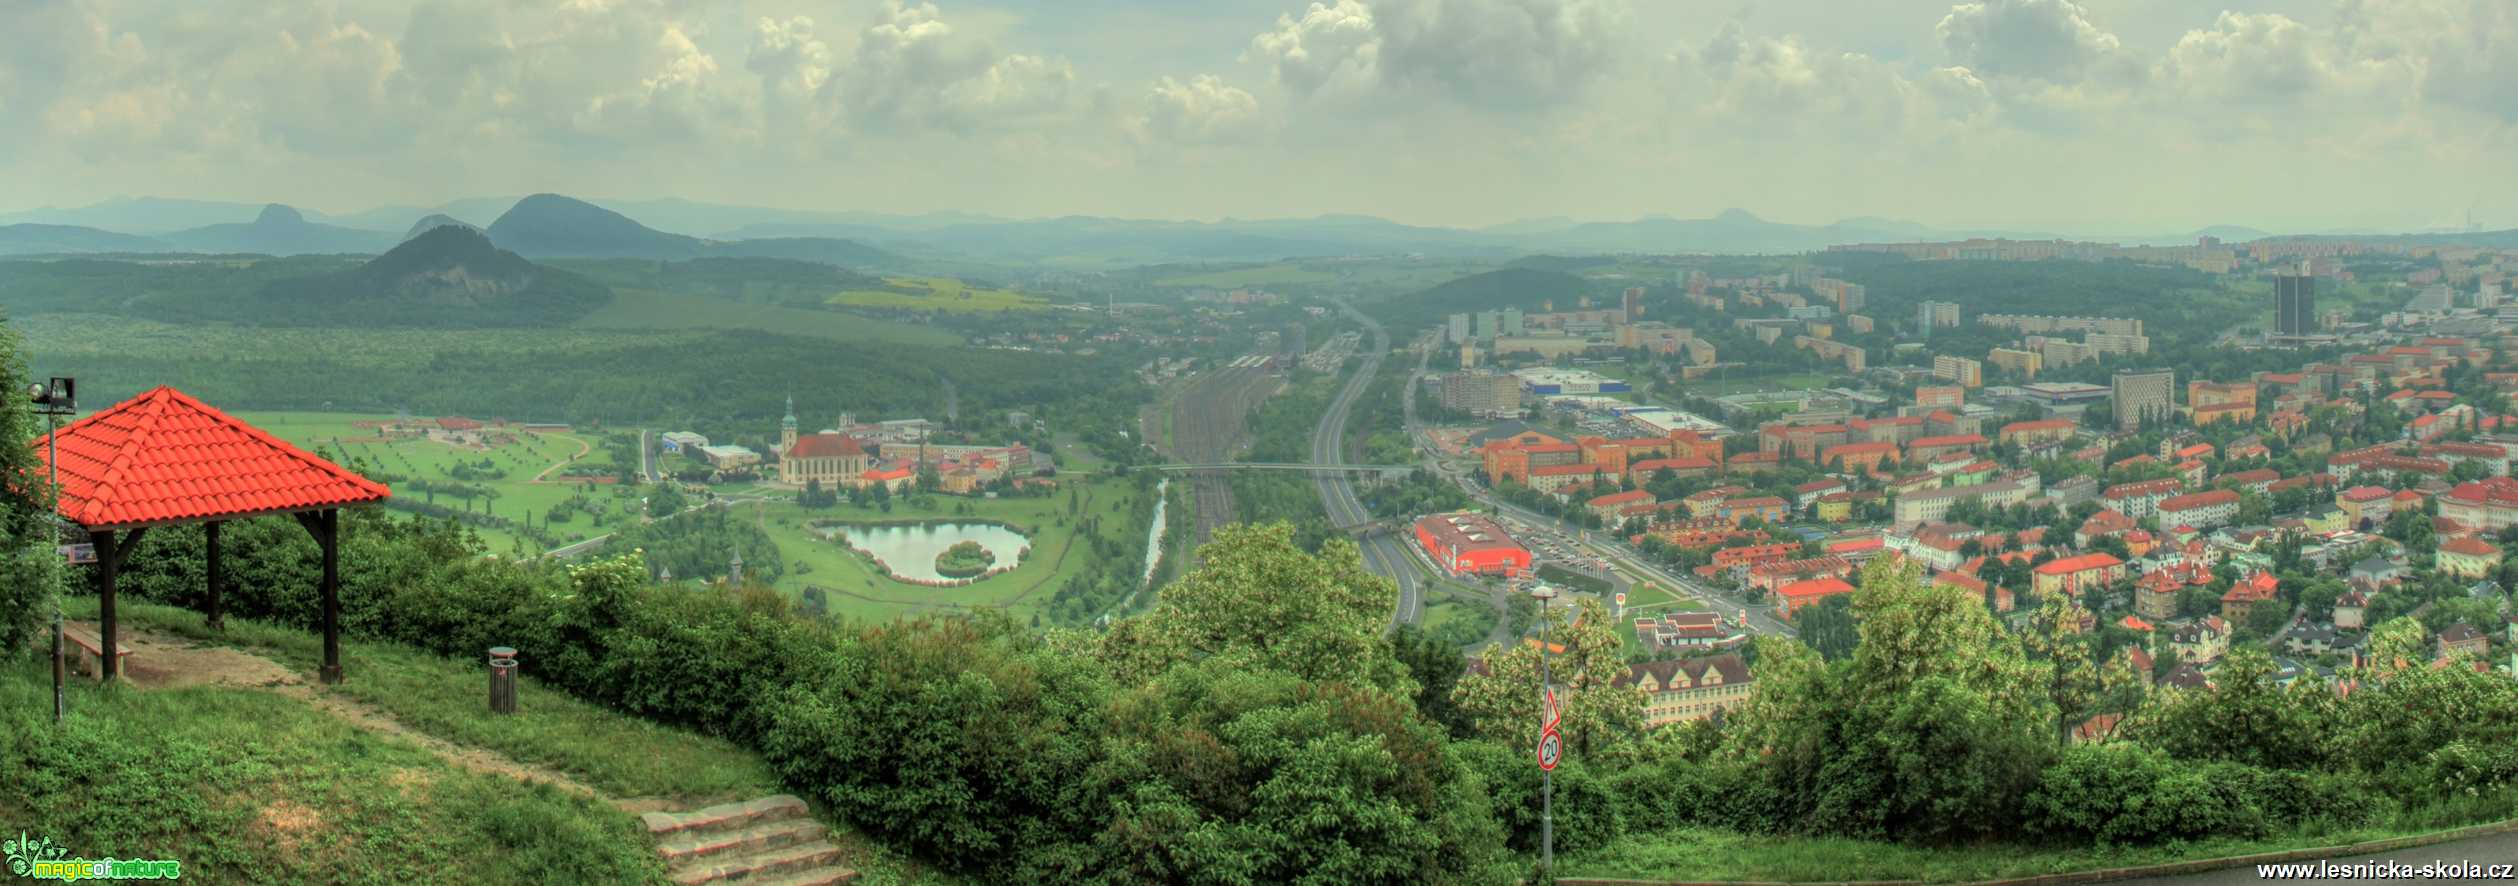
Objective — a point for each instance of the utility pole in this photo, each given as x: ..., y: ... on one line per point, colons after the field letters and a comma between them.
x: 1550, y: 744
x: 56, y: 398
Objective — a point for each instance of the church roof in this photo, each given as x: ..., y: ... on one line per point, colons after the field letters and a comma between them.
x: 826, y: 445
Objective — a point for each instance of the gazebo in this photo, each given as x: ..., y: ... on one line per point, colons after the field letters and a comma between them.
x: 164, y: 459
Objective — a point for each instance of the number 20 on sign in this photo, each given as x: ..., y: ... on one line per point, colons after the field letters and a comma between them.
x: 1550, y: 745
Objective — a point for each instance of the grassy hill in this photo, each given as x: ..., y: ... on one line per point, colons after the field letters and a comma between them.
x: 1523, y: 288
x: 232, y: 779
x: 449, y: 276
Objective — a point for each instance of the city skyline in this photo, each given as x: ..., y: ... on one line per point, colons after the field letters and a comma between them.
x: 2131, y: 116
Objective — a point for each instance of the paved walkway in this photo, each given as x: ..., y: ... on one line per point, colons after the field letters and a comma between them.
x: 2490, y: 849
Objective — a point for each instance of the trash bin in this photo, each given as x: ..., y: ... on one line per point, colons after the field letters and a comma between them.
x: 502, y: 680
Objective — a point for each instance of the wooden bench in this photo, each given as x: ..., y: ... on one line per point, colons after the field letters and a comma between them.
x: 91, y: 650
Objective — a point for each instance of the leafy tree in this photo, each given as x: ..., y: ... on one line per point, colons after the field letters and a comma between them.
x: 1504, y: 703
x: 1258, y: 599
x: 30, y: 571
x: 1828, y: 627
x: 1435, y: 665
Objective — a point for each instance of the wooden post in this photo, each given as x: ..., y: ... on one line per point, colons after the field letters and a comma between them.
x: 218, y: 614
x: 331, y: 541
x: 325, y: 526
x: 106, y: 561
x: 110, y: 552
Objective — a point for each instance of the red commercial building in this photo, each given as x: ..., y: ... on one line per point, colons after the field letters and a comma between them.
x: 1471, y: 544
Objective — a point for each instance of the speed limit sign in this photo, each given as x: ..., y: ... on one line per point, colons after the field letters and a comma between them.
x: 1550, y: 744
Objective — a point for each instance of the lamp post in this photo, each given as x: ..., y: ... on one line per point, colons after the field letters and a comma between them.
x: 54, y: 399
x: 1549, y: 743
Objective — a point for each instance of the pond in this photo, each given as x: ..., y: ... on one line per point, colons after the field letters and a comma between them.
x: 910, y: 551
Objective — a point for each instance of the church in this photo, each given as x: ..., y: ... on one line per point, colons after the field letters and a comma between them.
x: 837, y: 460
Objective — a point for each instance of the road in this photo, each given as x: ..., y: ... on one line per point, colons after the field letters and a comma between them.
x: 2501, y: 848
x: 1384, y: 555
x: 572, y: 549
x: 1761, y: 619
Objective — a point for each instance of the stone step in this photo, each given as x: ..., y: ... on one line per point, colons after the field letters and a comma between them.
x: 828, y: 876
x: 691, y: 847
x: 727, y: 817
x: 761, y: 864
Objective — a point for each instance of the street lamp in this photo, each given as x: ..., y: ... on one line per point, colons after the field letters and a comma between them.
x: 53, y: 399
x: 1550, y: 745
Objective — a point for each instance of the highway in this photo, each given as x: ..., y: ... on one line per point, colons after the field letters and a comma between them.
x: 1761, y: 619
x: 1383, y: 554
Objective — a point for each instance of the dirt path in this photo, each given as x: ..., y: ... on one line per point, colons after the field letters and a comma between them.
x: 583, y: 448
x: 159, y: 661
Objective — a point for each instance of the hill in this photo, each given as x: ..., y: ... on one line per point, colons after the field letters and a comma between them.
x: 1524, y: 288
x: 553, y: 226
x: 281, y: 230
x: 434, y: 222
x: 449, y: 276
x: 33, y: 239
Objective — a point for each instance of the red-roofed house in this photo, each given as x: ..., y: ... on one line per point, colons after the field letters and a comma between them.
x: 2032, y: 433
x: 2246, y: 594
x: 1927, y: 448
x: 2468, y: 557
x: 2202, y: 510
x: 1790, y: 598
x: 2488, y: 505
x: 1608, y: 507
x: 1858, y: 457
x: 2071, y: 576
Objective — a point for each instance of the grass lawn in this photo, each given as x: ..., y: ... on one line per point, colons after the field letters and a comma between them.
x: 1059, y: 549
x: 940, y: 294
x: 1262, y: 275
x: 242, y: 784
x: 526, y: 456
x: 644, y: 309
x: 1798, y: 381
x: 1704, y: 854
x: 448, y: 699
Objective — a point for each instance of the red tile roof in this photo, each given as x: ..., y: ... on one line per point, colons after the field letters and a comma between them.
x: 2069, y: 565
x: 1816, y: 587
x: 2469, y: 546
x: 164, y: 457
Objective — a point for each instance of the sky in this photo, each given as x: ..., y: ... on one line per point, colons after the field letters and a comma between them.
x: 2125, y: 115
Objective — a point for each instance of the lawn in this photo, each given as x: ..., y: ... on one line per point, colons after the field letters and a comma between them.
x: 643, y: 309
x: 527, y: 455
x: 242, y: 784
x: 1798, y: 381
x: 448, y: 699
x: 1706, y: 854
x: 1059, y: 548
x: 1262, y: 275
x: 939, y: 294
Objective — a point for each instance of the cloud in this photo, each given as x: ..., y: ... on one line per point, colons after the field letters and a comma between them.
x: 2048, y: 40
x: 912, y: 70
x: 1512, y: 55
x: 1333, y: 47
x: 1203, y: 110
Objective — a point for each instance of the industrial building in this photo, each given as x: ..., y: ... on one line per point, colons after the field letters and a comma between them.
x: 1471, y: 544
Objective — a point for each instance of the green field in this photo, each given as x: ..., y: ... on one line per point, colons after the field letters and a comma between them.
x: 1799, y: 381
x: 1263, y: 275
x: 1060, y: 550
x: 643, y: 309
x: 939, y: 294
x: 516, y: 493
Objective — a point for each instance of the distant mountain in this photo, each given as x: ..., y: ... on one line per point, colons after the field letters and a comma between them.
x: 139, y: 215
x: 434, y: 222
x: 32, y: 239
x: 450, y: 275
x: 549, y: 225
x: 281, y: 230
x: 474, y: 211
x: 553, y: 226
x: 2232, y: 233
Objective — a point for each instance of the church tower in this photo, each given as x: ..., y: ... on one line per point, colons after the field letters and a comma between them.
x: 787, y: 429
